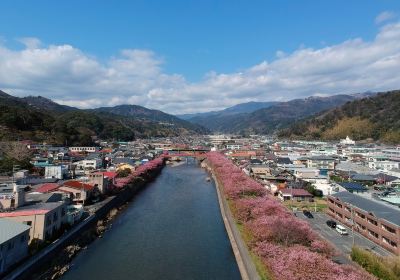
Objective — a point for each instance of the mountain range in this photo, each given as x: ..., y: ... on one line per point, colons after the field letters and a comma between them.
x: 267, y: 117
x: 41, y: 119
x: 361, y: 116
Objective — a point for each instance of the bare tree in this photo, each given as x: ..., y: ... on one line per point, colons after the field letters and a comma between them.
x: 15, y: 150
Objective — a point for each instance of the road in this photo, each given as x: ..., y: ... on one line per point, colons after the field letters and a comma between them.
x: 342, y: 242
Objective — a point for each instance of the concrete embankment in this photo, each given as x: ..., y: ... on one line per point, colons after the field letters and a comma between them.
x: 53, y: 261
x: 244, y: 261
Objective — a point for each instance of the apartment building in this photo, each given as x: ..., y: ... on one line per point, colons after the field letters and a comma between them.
x: 374, y: 220
x: 13, y: 243
x: 44, y: 219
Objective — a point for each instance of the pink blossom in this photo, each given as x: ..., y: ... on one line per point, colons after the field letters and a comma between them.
x: 288, y: 246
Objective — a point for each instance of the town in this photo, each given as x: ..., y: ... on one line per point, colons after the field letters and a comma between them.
x: 348, y: 191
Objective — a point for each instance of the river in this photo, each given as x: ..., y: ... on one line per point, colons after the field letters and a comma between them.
x: 171, y: 230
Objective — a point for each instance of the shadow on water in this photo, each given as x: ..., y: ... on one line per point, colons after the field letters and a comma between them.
x: 171, y: 230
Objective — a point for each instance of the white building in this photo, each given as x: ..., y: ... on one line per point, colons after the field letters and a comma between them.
x: 55, y: 171
x: 83, y: 149
x: 88, y: 164
x: 233, y: 146
x: 347, y: 141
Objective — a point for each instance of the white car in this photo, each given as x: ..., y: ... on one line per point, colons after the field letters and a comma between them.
x: 341, y: 229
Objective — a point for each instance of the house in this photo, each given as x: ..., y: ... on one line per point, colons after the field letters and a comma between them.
x: 321, y: 162
x: 11, y: 196
x: 14, y: 239
x: 260, y: 171
x: 233, y: 146
x: 283, y: 161
x: 88, y: 164
x: 79, y: 192
x: 353, y: 187
x: 294, y: 194
x: 383, y: 163
x: 44, y: 219
x: 376, y: 221
x: 363, y: 178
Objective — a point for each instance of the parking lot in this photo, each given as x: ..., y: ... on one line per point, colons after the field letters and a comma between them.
x: 342, y: 242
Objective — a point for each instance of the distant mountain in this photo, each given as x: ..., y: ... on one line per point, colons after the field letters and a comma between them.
x: 141, y: 113
x: 273, y: 117
x: 43, y: 103
x: 236, y: 109
x: 376, y: 117
x: 40, y: 119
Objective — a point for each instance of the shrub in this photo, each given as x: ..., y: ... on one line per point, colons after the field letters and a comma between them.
x: 383, y: 268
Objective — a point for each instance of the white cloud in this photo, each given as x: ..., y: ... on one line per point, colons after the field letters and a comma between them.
x: 73, y: 77
x: 384, y: 16
x: 30, y: 42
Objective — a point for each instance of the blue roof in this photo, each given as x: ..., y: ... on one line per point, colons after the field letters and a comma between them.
x: 351, y: 186
x: 9, y: 229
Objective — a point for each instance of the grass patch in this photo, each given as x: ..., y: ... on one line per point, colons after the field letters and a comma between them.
x: 385, y: 268
x: 260, y: 267
x: 319, y: 204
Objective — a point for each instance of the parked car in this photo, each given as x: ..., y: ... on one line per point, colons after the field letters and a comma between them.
x: 308, y: 214
x: 331, y: 223
x: 341, y: 229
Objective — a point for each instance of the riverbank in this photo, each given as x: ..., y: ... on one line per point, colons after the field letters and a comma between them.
x: 170, y: 231
x: 243, y: 258
x: 53, y: 261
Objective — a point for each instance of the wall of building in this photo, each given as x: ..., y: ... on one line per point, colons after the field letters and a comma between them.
x: 377, y: 230
x: 13, y: 250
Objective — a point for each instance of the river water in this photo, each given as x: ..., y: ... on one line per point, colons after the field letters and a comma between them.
x: 171, y: 230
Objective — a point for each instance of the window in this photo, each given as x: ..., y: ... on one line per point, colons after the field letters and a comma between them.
x: 78, y: 195
x: 63, y: 212
x: 371, y: 221
x: 389, y: 229
x: 373, y: 234
x: 28, y: 223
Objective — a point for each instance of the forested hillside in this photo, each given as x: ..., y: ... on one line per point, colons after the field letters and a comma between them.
x: 40, y: 119
x: 376, y: 117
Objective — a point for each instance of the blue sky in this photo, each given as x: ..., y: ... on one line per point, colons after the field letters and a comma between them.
x: 188, y: 43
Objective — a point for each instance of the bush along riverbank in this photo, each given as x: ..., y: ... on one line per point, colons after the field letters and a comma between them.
x: 286, y: 246
x: 129, y: 186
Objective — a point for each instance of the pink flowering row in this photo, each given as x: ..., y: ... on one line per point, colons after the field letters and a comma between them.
x: 141, y: 171
x: 287, y: 246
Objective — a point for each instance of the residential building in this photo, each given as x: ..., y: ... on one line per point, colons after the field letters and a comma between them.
x: 374, y: 220
x: 79, y: 192
x: 102, y: 180
x: 321, y: 162
x: 233, y: 146
x: 294, y: 194
x: 44, y: 219
x: 14, y: 239
x: 11, y: 196
x: 55, y: 171
x: 83, y: 149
